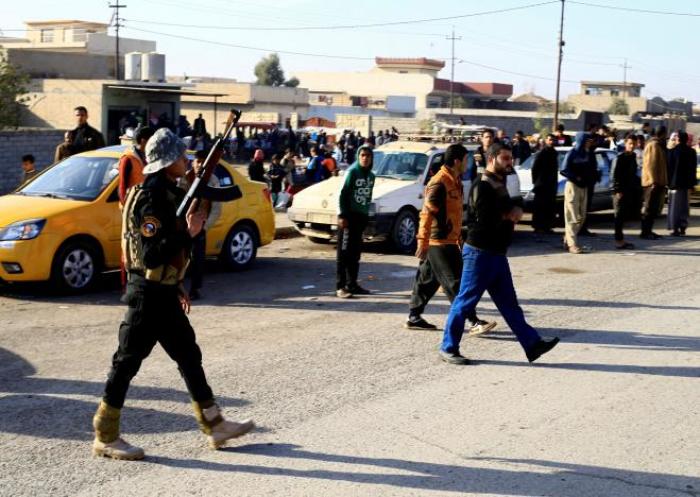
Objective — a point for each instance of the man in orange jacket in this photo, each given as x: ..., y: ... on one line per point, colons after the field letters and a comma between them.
x: 132, y: 161
x: 439, y: 242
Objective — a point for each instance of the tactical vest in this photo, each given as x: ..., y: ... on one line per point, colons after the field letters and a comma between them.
x: 132, y: 248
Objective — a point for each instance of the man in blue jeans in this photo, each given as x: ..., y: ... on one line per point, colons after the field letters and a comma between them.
x: 492, y: 215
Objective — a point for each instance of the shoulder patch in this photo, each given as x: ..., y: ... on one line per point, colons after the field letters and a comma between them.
x: 150, y: 226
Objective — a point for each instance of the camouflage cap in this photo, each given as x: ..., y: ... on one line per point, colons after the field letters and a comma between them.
x: 162, y: 149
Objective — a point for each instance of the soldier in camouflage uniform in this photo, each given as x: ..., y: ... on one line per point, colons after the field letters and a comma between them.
x: 156, y: 246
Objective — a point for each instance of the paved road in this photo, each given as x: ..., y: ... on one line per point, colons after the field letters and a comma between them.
x: 349, y: 403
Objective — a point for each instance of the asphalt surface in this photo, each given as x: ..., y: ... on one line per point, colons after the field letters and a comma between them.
x: 350, y: 403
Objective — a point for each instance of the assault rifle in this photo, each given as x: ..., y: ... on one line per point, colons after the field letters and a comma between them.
x: 191, y: 201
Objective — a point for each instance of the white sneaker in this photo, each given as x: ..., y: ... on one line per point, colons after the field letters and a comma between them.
x: 119, y: 449
x: 481, y: 327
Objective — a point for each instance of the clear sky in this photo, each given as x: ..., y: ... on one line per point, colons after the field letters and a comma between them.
x: 659, y: 48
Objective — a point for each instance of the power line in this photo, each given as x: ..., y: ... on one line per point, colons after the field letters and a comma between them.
x: 351, y: 26
x: 534, y: 76
x: 246, y: 47
x: 641, y: 11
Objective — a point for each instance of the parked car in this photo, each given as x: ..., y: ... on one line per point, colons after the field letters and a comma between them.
x: 402, y: 169
x: 65, y: 225
x: 602, y: 198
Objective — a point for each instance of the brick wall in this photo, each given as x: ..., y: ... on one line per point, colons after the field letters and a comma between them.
x: 15, y: 143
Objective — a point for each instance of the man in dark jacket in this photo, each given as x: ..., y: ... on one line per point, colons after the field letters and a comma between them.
x: 561, y: 138
x: 682, y: 165
x: 521, y: 148
x: 625, y: 187
x: 491, y: 222
x: 478, y: 165
x: 84, y: 137
x: 580, y: 169
x: 545, y: 182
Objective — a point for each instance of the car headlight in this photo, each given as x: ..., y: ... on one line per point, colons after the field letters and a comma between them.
x: 22, y: 230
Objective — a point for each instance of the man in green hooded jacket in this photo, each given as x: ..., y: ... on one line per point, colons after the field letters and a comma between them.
x: 353, y: 214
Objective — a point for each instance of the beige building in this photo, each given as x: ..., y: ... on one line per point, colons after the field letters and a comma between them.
x: 51, y: 102
x: 416, y: 77
x: 69, y: 49
x: 260, y: 104
x: 599, y: 96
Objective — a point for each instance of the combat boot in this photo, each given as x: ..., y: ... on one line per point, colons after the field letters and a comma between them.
x: 215, y: 427
x: 107, y: 441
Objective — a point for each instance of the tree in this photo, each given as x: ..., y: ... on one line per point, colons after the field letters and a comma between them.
x: 619, y: 106
x: 545, y: 116
x: 269, y: 72
x: 12, y: 85
x: 292, y: 83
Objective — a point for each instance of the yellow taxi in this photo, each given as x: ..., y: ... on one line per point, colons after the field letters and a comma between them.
x: 64, y: 226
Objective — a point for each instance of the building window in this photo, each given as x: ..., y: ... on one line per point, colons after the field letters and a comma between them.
x: 79, y: 34
x: 593, y: 90
x: 614, y: 93
x: 47, y: 36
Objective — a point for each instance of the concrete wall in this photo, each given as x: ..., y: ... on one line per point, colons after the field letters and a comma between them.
x: 102, y: 43
x: 51, y: 103
x: 14, y: 144
x: 69, y: 65
x: 369, y: 84
x: 358, y: 122
x: 602, y: 103
x: 510, y: 121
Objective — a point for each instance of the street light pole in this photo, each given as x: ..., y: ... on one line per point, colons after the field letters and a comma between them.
x: 560, y: 55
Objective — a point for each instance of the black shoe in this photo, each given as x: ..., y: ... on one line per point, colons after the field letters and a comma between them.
x: 195, y: 295
x: 675, y: 233
x: 358, y: 290
x: 419, y: 324
x: 453, y: 358
x: 682, y: 231
x: 541, y: 347
x: 650, y: 236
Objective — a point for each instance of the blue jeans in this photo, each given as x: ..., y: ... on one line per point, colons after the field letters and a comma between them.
x: 483, y: 271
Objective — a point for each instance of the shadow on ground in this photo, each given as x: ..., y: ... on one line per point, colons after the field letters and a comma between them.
x: 526, y: 478
x: 44, y: 407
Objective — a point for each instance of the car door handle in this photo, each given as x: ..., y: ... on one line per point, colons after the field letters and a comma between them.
x: 420, y: 196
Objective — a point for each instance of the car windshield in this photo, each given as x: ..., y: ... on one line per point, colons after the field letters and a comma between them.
x: 399, y: 165
x: 76, y: 178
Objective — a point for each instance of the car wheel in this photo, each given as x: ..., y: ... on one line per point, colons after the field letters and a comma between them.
x: 403, y: 234
x: 316, y: 239
x: 241, y: 248
x: 75, y: 267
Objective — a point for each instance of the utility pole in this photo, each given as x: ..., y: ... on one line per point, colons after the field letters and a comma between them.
x: 624, y: 79
x: 117, y: 25
x: 560, y: 49
x: 452, y: 77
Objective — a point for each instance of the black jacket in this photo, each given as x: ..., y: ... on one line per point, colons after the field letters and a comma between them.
x: 85, y: 138
x: 488, y: 203
x: 256, y: 171
x: 521, y: 150
x: 163, y: 236
x: 545, y: 172
x: 625, y: 179
x: 682, y: 165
